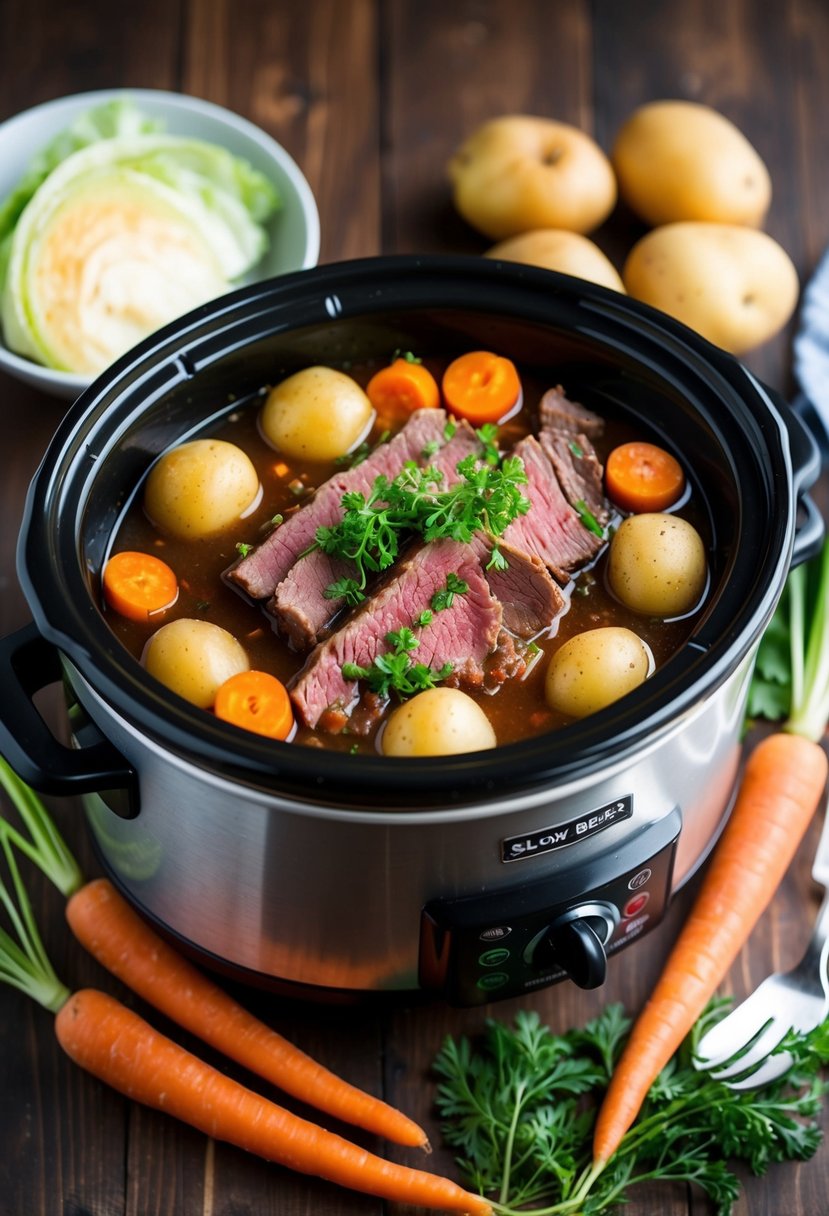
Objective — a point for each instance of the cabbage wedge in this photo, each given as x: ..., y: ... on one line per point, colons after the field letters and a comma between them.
x: 123, y: 236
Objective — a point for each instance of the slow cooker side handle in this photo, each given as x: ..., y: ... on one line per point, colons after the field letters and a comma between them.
x: 806, y: 448
x: 29, y: 663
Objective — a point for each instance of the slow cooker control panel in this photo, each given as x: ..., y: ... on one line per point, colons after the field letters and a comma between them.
x: 480, y: 948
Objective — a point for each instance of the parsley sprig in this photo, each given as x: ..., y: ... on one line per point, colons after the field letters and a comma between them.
x: 394, y: 671
x: 486, y: 498
x: 519, y: 1109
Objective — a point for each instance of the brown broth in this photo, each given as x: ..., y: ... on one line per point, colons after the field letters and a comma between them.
x: 517, y: 710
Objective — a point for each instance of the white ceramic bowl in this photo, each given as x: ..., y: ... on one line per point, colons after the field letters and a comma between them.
x: 294, y: 231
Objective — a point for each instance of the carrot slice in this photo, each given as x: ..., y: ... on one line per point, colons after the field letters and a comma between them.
x: 256, y: 701
x: 401, y: 388
x: 643, y: 477
x: 137, y: 585
x: 481, y: 387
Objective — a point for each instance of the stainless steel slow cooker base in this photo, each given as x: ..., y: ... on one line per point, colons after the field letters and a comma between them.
x: 474, y: 876
x: 451, y: 900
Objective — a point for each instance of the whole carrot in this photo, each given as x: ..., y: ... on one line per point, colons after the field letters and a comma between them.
x: 783, y: 780
x: 126, y: 945
x: 121, y: 1049
x: 106, y: 925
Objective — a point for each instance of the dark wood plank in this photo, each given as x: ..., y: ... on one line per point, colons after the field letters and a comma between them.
x: 50, y: 50
x: 304, y: 72
x: 448, y: 68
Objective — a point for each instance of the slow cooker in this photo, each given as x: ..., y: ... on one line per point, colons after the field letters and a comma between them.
x: 473, y: 877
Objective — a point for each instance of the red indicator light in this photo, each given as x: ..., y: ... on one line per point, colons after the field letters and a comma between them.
x: 634, y: 906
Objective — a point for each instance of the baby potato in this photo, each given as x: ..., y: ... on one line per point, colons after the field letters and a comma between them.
x: 316, y: 414
x: 656, y: 564
x: 595, y: 668
x: 518, y: 173
x: 733, y: 285
x: 200, y: 488
x: 194, y: 658
x: 557, y: 249
x: 678, y: 160
x: 437, y: 722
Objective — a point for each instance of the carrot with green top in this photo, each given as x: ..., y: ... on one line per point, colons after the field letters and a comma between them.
x: 781, y: 786
x: 125, y: 945
x: 118, y: 1047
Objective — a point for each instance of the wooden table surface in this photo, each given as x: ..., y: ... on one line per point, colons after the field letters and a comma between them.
x: 371, y: 98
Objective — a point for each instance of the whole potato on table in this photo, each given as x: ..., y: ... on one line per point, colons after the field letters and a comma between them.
x: 319, y: 413
x: 679, y: 160
x: 518, y: 173
x: 558, y: 249
x: 735, y: 286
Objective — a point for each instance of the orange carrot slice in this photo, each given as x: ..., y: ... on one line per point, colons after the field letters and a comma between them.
x: 481, y: 387
x: 256, y: 701
x: 138, y: 585
x: 643, y: 477
x: 401, y: 388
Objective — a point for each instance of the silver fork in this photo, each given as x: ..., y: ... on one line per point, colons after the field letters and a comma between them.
x: 794, y: 1000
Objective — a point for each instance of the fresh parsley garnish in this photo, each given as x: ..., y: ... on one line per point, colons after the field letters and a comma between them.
x: 487, y: 434
x: 394, y: 671
x: 430, y: 448
x: 497, y: 561
x: 406, y: 355
x: 518, y: 1109
x: 242, y: 548
x: 588, y: 518
x: 449, y: 429
x: 424, y: 619
x: 445, y: 598
x: 576, y: 449
x: 486, y: 498
x: 347, y: 589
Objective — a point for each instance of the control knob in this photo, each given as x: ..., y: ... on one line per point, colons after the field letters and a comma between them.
x: 575, y: 942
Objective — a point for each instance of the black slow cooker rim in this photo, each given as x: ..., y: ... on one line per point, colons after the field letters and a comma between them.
x: 66, y: 615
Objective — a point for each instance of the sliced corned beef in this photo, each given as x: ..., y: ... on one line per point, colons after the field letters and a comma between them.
x: 462, y: 634
x: 528, y: 595
x: 578, y: 470
x: 300, y: 607
x: 551, y: 529
x: 261, y: 571
x: 559, y: 413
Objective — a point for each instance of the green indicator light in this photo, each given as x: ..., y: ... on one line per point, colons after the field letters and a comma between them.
x: 494, y: 958
x: 495, y: 979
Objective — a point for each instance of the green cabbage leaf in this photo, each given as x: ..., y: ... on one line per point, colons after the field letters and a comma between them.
x: 118, y: 228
